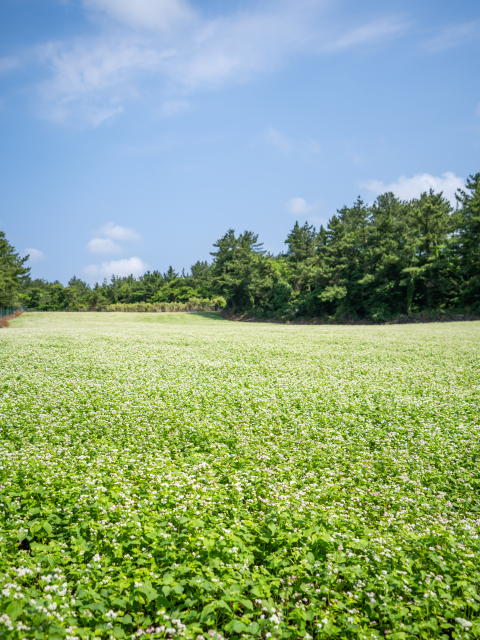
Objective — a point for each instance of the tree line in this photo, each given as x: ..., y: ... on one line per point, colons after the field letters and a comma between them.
x: 373, y: 261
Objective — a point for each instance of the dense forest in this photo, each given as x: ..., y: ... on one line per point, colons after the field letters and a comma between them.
x: 375, y: 261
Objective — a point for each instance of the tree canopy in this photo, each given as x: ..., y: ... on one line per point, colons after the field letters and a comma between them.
x: 370, y: 261
x: 12, y: 272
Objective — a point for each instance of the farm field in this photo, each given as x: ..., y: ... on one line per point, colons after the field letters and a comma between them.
x: 180, y: 475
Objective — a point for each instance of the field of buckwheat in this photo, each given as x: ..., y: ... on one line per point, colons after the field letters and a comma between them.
x: 182, y: 476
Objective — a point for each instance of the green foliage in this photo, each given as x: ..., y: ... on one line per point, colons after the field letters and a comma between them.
x: 12, y: 272
x: 240, y: 271
x: 378, y: 261
x: 467, y: 241
x: 373, y: 261
x: 193, y: 304
x: 171, y: 476
x: 200, y: 279
x: 152, y: 289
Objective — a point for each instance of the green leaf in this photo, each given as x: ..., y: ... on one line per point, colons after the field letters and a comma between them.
x: 361, y: 544
x: 149, y: 591
x: 253, y: 628
x: 48, y: 527
x: 119, y: 602
x: 127, y: 619
x: 14, y: 609
x: 35, y: 525
x: 209, y: 543
x: 215, y: 563
x: 206, y: 613
x: 221, y: 604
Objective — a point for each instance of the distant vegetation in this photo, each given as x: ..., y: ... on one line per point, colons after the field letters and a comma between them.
x: 371, y: 261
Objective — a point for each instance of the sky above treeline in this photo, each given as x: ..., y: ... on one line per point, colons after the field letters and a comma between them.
x: 134, y: 133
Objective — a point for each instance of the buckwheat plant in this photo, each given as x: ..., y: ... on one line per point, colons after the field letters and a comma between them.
x: 182, y: 476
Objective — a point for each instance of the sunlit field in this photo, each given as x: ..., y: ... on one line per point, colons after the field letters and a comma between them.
x: 179, y: 475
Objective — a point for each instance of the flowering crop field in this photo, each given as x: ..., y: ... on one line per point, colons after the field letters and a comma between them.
x: 180, y: 475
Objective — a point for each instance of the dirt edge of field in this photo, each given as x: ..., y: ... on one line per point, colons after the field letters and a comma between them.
x: 412, y: 319
x: 6, y: 319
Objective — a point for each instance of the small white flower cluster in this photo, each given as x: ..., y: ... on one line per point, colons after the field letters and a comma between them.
x: 23, y: 571
x: 111, y: 615
x: 5, y: 620
x: 466, y: 624
x: 12, y: 586
x: 323, y: 623
x: 207, y: 428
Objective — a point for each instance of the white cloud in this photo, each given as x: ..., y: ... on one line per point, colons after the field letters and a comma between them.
x: 35, y: 255
x: 174, y: 107
x: 116, y: 232
x: 168, y: 42
x: 283, y: 143
x: 408, y: 188
x: 91, y: 80
x: 128, y: 266
x: 454, y: 36
x: 103, y: 245
x: 8, y: 63
x: 147, y: 14
x: 370, y: 33
x: 278, y: 140
x: 299, y: 207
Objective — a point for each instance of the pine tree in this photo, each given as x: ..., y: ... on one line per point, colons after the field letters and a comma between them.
x: 12, y: 272
x: 240, y: 272
x: 467, y: 241
x: 301, y: 255
x: 340, y: 261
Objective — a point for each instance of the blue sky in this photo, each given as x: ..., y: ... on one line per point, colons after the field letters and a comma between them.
x: 136, y: 132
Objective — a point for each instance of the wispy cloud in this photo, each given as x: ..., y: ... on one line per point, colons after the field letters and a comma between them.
x: 287, y: 144
x: 408, y: 188
x: 125, y: 267
x: 116, y: 232
x: 90, y: 80
x: 35, y: 255
x: 278, y: 140
x: 145, y: 14
x: 454, y: 36
x: 174, y: 107
x: 162, y: 51
x: 103, y: 245
x: 299, y: 206
x: 371, y: 33
x: 8, y: 63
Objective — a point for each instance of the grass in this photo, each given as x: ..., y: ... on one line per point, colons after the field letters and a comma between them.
x: 184, y: 476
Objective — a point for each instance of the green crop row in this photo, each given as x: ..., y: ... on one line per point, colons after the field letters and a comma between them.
x: 167, y: 476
